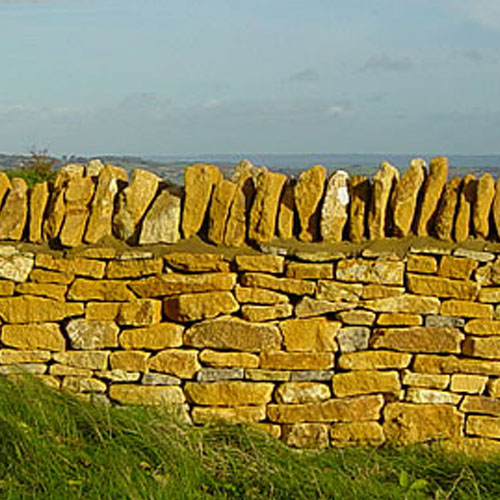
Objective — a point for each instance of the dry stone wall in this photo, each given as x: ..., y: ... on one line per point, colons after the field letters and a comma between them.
x: 316, y: 349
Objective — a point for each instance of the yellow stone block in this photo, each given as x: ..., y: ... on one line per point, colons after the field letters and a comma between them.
x: 483, y: 327
x: 427, y: 380
x: 130, y: 361
x: 146, y: 395
x: 365, y: 382
x: 281, y: 360
x: 44, y: 276
x: 399, y: 319
x: 466, y: 309
x: 246, y: 295
x: 452, y: 364
x: 306, y: 435
x: 285, y: 285
x: 479, y: 425
x: 155, y: 337
x: 482, y: 347
x: 302, y: 392
x: 263, y: 263
x: 50, y: 290
x: 442, y: 287
x: 374, y: 360
x: 182, y: 363
x: 71, y: 265
x: 228, y: 393
x: 301, y: 270
x: 459, y: 268
x: 357, y: 434
x: 102, y: 290
x: 42, y: 336
x: 316, y: 334
x: 134, y: 268
x: 421, y: 264
x: 31, y: 309
x: 218, y: 359
x: 470, y: 384
x: 197, y: 262
x: 237, y: 414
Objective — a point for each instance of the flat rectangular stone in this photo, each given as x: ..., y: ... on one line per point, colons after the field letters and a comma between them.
x: 264, y: 375
x: 427, y: 380
x: 374, y: 360
x: 466, y: 309
x: 365, y: 271
x: 489, y: 295
x: 284, y: 285
x: 316, y: 334
x: 425, y: 264
x: 470, y: 384
x: 482, y: 347
x: 134, y: 268
x: 247, y: 295
x: 441, y: 287
x: 365, y: 382
x: 481, y: 404
x: 483, y: 426
x: 406, y: 303
x: 451, y: 364
x: 311, y: 376
x: 474, y: 254
x: 215, y: 374
x: 260, y: 263
x: 431, y: 396
x: 281, y: 360
x: 399, y: 319
x: 444, y: 321
x: 309, y: 271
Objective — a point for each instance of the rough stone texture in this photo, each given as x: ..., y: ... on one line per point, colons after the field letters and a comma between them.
x: 266, y: 313
x: 284, y: 285
x: 496, y: 207
x: 134, y: 361
x: 425, y: 264
x: 418, y: 339
x: 41, y: 336
x: 197, y: 262
x: 301, y: 270
x: 146, y: 395
x: 433, y: 187
x: 51, y: 291
x: 233, y: 333
x: 360, y: 191
x: 374, y: 360
x: 229, y: 359
x: 491, y: 295
x: 482, y: 347
x: 335, y: 205
x: 82, y: 384
x: 306, y: 435
x: 431, y: 396
x: 353, y: 338
x: 445, y: 216
x: 15, y: 357
x: 260, y: 263
x: 451, y: 364
x: 399, y: 319
x: 365, y: 382
x: 485, y: 192
x: 309, y: 334
x: 428, y: 380
x: 181, y: 363
x: 31, y: 309
x: 228, y: 393
x: 404, y: 198
x: 238, y: 414
x: 71, y: 265
x: 459, y: 268
x: 308, y: 193
x: 465, y: 202
x: 470, y: 384
x: 441, y: 287
x: 216, y: 374
x: 15, y: 267
x: 481, y: 404
x: 103, y: 290
x: 286, y: 212
x: 449, y: 321
x: 281, y: 360
x: 155, y: 337
x: 220, y: 204
x: 268, y: 375
x: 160, y: 379
x: 5, y: 186
x: 84, y: 334
x: 133, y: 202
x: 483, y: 426
x: 139, y: 313
x: 384, y: 182
x: 302, y: 392
x: 247, y: 295
x: 308, y: 307
x: 133, y: 268
x: 357, y: 433
x: 364, y: 271
x: 38, y: 199
x: 199, y: 181
x: 406, y: 303
x: 93, y: 360
x: 414, y: 423
x: 483, y: 327
x: 14, y: 211
x: 197, y: 306
x: 467, y: 309
x: 381, y: 291
x: 262, y: 219
x: 162, y: 221
x: 356, y: 317
x: 339, y: 291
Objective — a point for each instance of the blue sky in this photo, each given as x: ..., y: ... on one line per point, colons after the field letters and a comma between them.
x: 236, y: 76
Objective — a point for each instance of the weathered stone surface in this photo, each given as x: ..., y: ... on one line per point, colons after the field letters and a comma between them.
x: 38, y: 199
x: 381, y: 291
x: 199, y: 180
x: 445, y: 216
x: 483, y: 426
x: 357, y: 433
x: 459, y: 268
x: 77, y: 196
x: 262, y: 220
x: 418, y: 339
x: 130, y: 361
x: 146, y: 395
x: 102, y: 290
x: 356, y: 409
x: 444, y: 321
x: 238, y: 414
x: 197, y: 306
x: 481, y: 404
x: 466, y: 308
x: 118, y: 375
x: 229, y: 359
x: 133, y: 202
x: 335, y: 204
x: 311, y: 376
x: 15, y: 267
x: 496, y: 207
x: 360, y: 191
x: 451, y: 364
x: 133, y: 268
x: 217, y: 374
x: 404, y: 198
x: 406, y: 303
x: 465, y: 202
x: 197, y: 262
x: 399, y: 319
x: 139, y: 313
x: 491, y: 295
x: 384, y: 182
x: 429, y: 380
x: 31, y: 309
x: 433, y: 187
x: 6, y: 288
x: 161, y: 223
x: 266, y: 313
x: 365, y: 382
x: 57, y: 369
x: 105, y: 311
x: 14, y: 356
x: 374, y: 360
x: 263, y: 263
x: 228, y: 393
x: 281, y: 360
x: 85, y: 334
x: 267, y: 375
x: 308, y: 193
x: 5, y: 186
x: 483, y: 327
x: 356, y: 317
x: 173, y: 283
x: 182, y: 363
x: 339, y: 291
x: 49, y: 290
x: 414, y: 423
x: 309, y: 271
x: 302, y: 392
x: 431, y: 396
x: 160, y: 379
x: 477, y: 383
x: 353, y: 338
x: 309, y: 334
x: 306, y: 435
x: 482, y: 347
x: 220, y: 204
x: 481, y: 207
x: 93, y: 360
x: 284, y: 285
x: 286, y: 212
x: 14, y: 211
x: 233, y: 333
x: 155, y: 337
x: 247, y: 295
x: 480, y: 256
x: 364, y: 271
x: 470, y: 384
x: 23, y: 369
x: 441, y: 287
x: 421, y: 264
x: 71, y: 265
x: 82, y: 384
x: 43, y: 336
x: 308, y: 307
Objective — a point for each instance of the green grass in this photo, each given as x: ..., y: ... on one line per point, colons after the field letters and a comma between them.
x: 56, y: 446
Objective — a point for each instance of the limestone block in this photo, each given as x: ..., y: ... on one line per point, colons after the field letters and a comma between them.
x: 421, y: 264
x: 286, y: 211
x: 154, y: 338
x: 247, y: 295
x: 334, y: 211
x: 374, y: 360
x: 406, y: 303
x: 445, y: 216
x: 308, y: 307
x: 360, y: 191
x: 6, y: 288
x: 106, y: 311
x: 495, y: 209
x: 71, y: 265
x: 82, y: 384
x: 15, y: 267
x: 162, y: 221
x: 217, y: 374
x: 220, y: 204
x: 159, y: 379
x: 182, y: 363
x: 38, y: 199
x: 470, y: 384
x: 31, y: 309
x: 266, y: 313
x: 404, y: 198
x: 482, y: 347
x: 57, y: 369
x: 302, y: 392
x: 365, y: 271
x: 466, y: 309
x: 432, y: 190
x: 146, y: 395
x: 449, y: 321
x: 130, y: 361
x: 490, y: 295
x: 431, y: 396
x: 85, y: 334
x: 357, y: 433
x: 481, y: 404
x: 41, y: 336
x: 233, y: 333
x: 284, y: 285
x: 311, y: 376
x: 451, y: 364
x: 441, y: 287
x: 301, y: 270
x: 483, y: 426
x: 133, y: 202
x: 459, y: 268
x: 365, y: 382
x: 483, y: 327
x: 133, y: 268
x: 5, y: 186
x: 267, y: 375
x: 465, y: 202
x: 281, y: 360
x: 306, y: 435
x: 139, y: 313
x: 228, y: 393
x: 194, y: 262
x: 316, y: 334
x: 476, y: 385
x: 15, y: 357
x: 428, y: 380
x: 356, y: 317
x: 399, y: 319
x: 263, y: 263
x: 118, y: 375
x: 199, y: 181
x: 339, y: 291
x: 14, y: 211
x: 384, y: 182
x: 102, y: 290
x: 52, y: 291
x: 218, y: 359
x: 381, y: 291
x: 238, y: 414
x: 93, y: 360
x: 308, y: 193
x: 418, y: 339
x: 481, y: 207
x: 353, y: 338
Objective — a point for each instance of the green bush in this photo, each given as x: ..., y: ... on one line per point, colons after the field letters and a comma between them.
x: 37, y: 167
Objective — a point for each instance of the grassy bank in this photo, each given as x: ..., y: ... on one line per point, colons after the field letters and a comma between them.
x: 55, y: 446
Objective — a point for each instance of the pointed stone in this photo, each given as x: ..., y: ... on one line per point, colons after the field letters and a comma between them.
x: 433, y: 187
x: 5, y: 186
x: 220, y: 204
x: 465, y: 201
x: 334, y: 210
x: 360, y: 191
x: 14, y: 211
x: 94, y: 168
x: 199, y: 181
x: 286, y: 211
x: 485, y: 191
x: 77, y: 196
x: 496, y: 207
x: 404, y: 199
x: 445, y: 217
x: 308, y: 193
x: 38, y: 199
x: 133, y: 202
x: 162, y: 221
x: 101, y: 210
x: 384, y: 181
x: 264, y: 209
